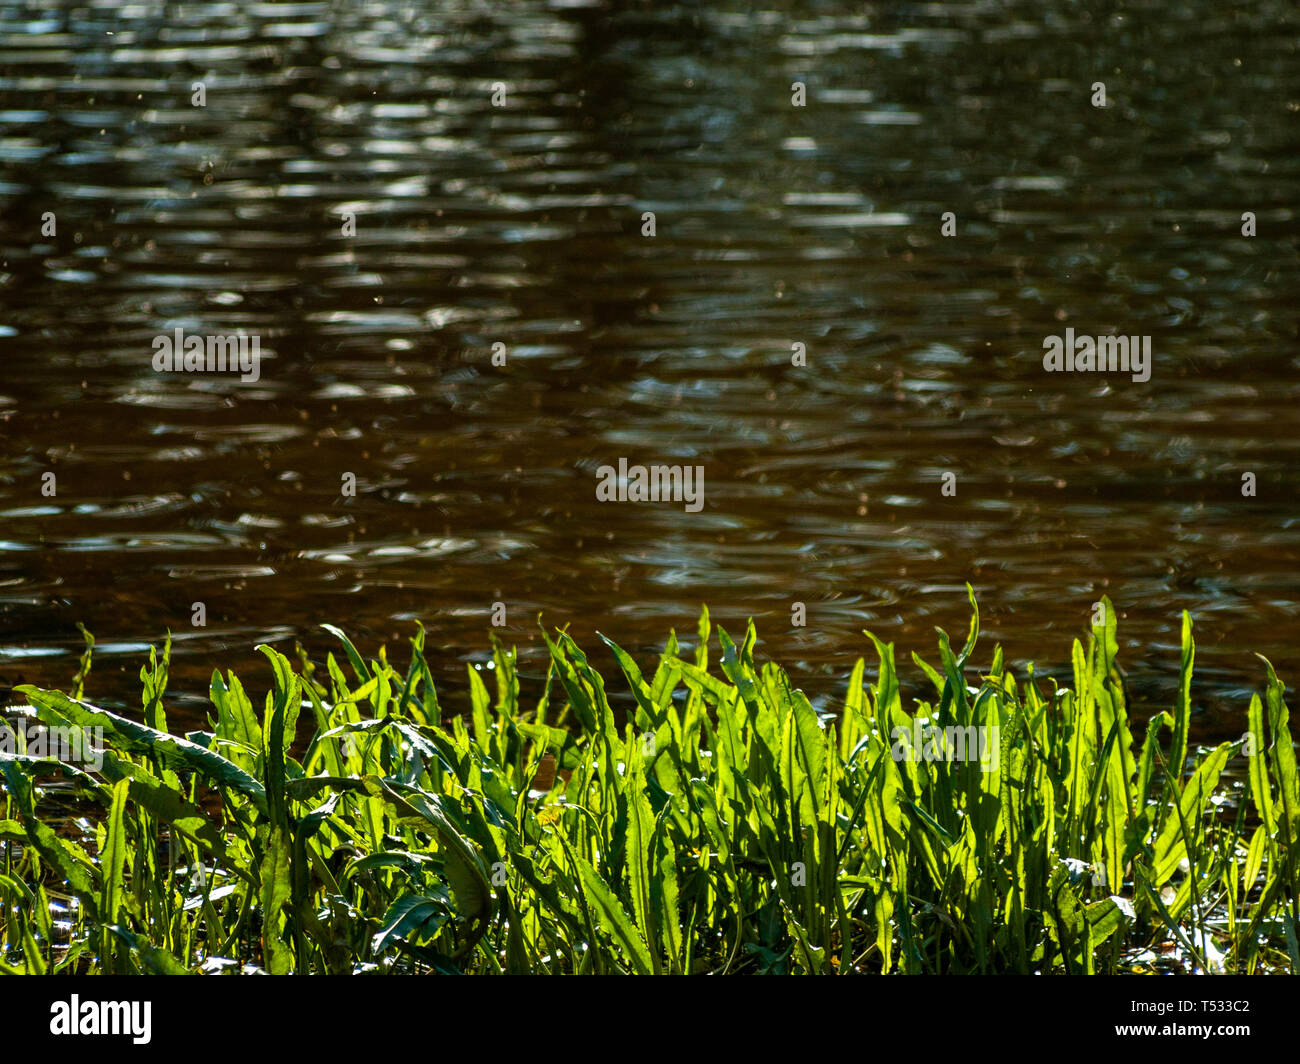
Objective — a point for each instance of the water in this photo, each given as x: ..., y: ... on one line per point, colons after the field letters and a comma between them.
x: 521, y: 225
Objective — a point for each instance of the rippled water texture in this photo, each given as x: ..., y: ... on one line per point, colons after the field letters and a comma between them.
x: 522, y: 225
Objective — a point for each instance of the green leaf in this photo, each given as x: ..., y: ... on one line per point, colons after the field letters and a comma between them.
x: 278, y: 731
x: 613, y: 917
x: 1171, y: 846
x: 1260, y: 791
x: 410, y: 918
x: 640, y: 832
x: 235, y: 719
x: 1104, y: 919
x: 464, y: 868
x: 68, y: 860
x: 277, y: 889
x: 640, y: 691
x: 180, y: 755
x: 112, y: 857
x: 666, y: 886
x: 355, y: 659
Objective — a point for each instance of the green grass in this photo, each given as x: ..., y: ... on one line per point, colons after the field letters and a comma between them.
x: 723, y: 827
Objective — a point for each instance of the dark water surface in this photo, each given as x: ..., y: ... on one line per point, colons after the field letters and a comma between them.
x: 521, y: 225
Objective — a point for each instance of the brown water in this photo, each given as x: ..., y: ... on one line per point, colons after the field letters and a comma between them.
x: 522, y: 225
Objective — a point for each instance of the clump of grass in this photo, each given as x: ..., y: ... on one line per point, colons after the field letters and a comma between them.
x: 723, y: 827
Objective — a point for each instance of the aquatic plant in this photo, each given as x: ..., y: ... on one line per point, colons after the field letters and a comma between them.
x: 719, y: 824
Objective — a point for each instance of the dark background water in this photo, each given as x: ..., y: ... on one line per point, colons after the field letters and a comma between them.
x: 522, y: 225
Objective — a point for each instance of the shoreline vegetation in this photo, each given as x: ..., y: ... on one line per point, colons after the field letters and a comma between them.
x: 722, y: 827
